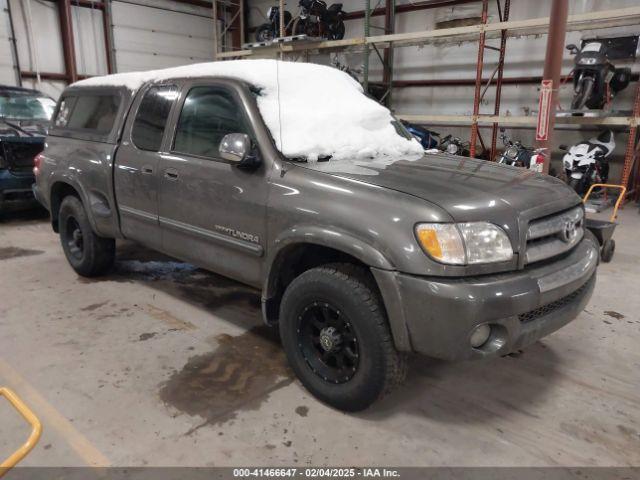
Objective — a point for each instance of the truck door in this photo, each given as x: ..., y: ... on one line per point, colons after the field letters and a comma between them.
x: 212, y: 213
x: 136, y: 173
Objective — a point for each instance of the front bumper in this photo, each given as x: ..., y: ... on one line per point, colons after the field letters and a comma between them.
x: 436, y: 316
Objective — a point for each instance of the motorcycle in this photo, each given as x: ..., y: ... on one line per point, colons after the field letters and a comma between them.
x: 427, y: 138
x: 595, y: 79
x: 517, y: 155
x: 316, y: 20
x: 586, y: 162
x: 454, y: 146
x: 271, y: 29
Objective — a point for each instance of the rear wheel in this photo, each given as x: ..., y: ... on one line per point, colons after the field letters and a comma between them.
x: 88, y: 254
x: 335, y: 334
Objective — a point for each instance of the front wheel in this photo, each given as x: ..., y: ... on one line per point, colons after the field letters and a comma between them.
x: 337, y: 31
x: 88, y: 254
x: 578, y: 185
x: 583, y: 93
x: 335, y: 334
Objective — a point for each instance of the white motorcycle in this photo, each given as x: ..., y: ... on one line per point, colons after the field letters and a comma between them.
x: 586, y: 162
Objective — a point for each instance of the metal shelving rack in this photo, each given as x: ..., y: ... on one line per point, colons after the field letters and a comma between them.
x: 501, y: 30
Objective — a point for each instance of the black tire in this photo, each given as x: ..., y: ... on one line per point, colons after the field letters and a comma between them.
x: 608, y: 249
x: 299, y: 27
x: 337, y: 33
x: 577, y: 184
x: 264, y: 33
x: 370, y: 365
x: 583, y: 93
x: 88, y: 254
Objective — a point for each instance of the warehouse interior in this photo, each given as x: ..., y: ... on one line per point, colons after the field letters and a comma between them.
x: 161, y: 363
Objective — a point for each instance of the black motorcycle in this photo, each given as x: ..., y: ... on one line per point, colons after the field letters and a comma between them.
x: 595, y: 79
x: 316, y: 20
x: 518, y: 155
x: 271, y: 29
x: 454, y: 146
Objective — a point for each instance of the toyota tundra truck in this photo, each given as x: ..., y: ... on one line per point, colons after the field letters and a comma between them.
x: 364, y: 248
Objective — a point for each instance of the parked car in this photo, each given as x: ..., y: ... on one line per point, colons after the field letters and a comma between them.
x: 24, y: 117
x: 359, y: 261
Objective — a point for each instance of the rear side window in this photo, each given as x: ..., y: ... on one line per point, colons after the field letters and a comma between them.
x: 151, y: 118
x: 208, y: 114
x: 90, y: 113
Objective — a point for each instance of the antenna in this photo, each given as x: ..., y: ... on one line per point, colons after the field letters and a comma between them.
x: 279, y: 107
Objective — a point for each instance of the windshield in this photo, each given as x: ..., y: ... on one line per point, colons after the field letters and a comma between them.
x: 26, y: 106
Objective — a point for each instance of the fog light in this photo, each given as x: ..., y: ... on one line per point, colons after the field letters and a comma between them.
x: 480, y: 335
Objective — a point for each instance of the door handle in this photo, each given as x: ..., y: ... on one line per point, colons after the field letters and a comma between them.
x: 171, y: 174
x: 147, y: 170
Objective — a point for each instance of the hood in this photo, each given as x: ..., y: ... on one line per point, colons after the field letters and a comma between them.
x: 468, y: 189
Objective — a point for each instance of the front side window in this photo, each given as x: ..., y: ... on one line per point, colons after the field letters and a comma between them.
x: 95, y: 113
x: 208, y: 114
x: 151, y: 119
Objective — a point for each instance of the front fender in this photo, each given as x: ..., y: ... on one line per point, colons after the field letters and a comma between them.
x: 327, y: 237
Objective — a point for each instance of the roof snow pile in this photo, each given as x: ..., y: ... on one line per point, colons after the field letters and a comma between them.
x: 311, y: 110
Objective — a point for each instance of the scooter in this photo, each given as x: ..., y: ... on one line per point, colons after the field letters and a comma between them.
x: 586, y: 162
x: 595, y: 79
x: 316, y: 20
x: 271, y: 29
x: 517, y: 155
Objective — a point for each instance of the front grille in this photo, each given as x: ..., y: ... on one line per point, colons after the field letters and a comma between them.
x: 551, y: 307
x: 554, y: 235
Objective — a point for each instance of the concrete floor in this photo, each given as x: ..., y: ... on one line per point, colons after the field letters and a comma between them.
x: 163, y: 364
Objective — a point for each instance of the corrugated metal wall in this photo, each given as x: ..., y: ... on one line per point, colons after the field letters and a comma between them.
x: 151, y: 35
x: 147, y: 34
x: 7, y: 61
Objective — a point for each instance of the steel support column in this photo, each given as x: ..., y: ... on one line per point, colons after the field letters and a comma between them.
x: 367, y: 51
x: 631, y: 153
x: 108, y: 36
x: 476, y: 95
x: 553, y: 66
x: 389, y: 28
x: 504, y: 17
x: 68, y: 46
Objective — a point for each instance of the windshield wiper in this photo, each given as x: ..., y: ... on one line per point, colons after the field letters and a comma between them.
x: 15, y: 127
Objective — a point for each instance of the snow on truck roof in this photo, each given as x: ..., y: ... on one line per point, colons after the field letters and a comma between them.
x: 311, y: 110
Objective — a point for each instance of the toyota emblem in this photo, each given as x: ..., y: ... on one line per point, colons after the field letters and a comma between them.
x: 569, y: 232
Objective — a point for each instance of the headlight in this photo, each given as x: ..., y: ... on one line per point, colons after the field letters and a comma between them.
x: 452, y: 148
x: 588, y: 61
x: 512, y: 152
x: 464, y: 243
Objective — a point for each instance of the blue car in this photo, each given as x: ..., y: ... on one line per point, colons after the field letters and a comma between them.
x: 24, y: 118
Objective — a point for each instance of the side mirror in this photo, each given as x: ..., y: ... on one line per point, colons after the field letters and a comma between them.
x: 572, y: 48
x: 236, y: 148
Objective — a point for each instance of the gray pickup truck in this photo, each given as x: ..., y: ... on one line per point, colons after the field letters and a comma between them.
x: 358, y: 265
